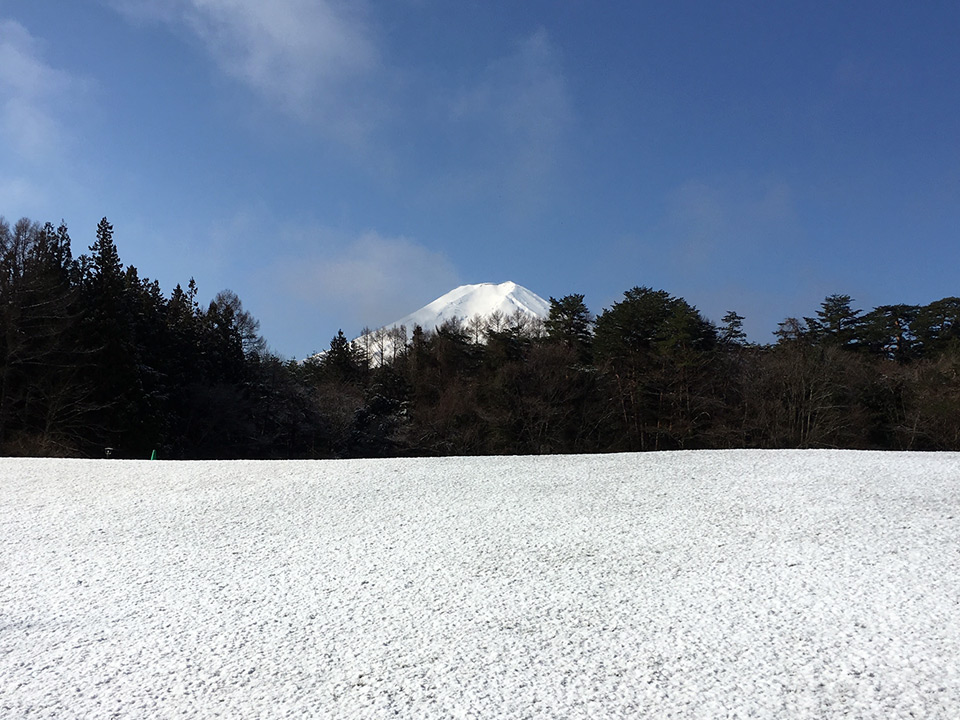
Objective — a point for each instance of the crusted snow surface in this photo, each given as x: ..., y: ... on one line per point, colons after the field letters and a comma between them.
x: 482, y: 299
x: 670, y: 585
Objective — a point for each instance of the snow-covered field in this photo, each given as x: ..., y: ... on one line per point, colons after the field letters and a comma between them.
x: 687, y: 585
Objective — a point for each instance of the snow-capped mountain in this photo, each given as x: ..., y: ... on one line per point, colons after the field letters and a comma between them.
x: 486, y: 301
x: 483, y: 299
x: 465, y: 303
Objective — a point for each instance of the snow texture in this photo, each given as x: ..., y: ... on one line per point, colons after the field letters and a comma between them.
x: 484, y: 299
x: 673, y: 585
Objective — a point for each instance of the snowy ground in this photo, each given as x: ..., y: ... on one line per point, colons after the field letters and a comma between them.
x: 687, y: 585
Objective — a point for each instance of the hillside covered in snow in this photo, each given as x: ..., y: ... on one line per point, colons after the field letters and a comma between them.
x: 817, y: 584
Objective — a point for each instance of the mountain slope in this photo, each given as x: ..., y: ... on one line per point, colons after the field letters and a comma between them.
x: 463, y: 303
x: 482, y: 299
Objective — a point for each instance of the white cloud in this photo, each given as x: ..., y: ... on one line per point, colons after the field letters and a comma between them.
x: 30, y: 91
x: 369, y: 281
x: 308, y: 56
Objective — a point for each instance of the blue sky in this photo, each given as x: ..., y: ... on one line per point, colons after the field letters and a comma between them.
x: 340, y: 164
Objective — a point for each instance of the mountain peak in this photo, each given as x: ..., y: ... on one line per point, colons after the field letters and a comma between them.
x: 482, y: 299
x: 464, y: 303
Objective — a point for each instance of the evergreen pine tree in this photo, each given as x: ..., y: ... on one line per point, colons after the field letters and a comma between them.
x: 938, y: 326
x: 837, y: 323
x: 731, y: 331
x: 888, y: 331
x: 109, y: 332
x: 654, y: 346
x: 341, y: 362
x: 570, y: 324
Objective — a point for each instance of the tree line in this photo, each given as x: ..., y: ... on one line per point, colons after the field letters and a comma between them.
x: 96, y: 360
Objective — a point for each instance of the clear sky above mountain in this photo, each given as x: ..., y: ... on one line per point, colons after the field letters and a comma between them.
x: 340, y: 164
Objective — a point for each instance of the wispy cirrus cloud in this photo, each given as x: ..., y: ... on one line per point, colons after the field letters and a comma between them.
x: 705, y: 220
x: 524, y: 94
x: 520, y: 110
x: 719, y: 237
x: 31, y: 91
x: 307, y: 56
x: 19, y: 195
